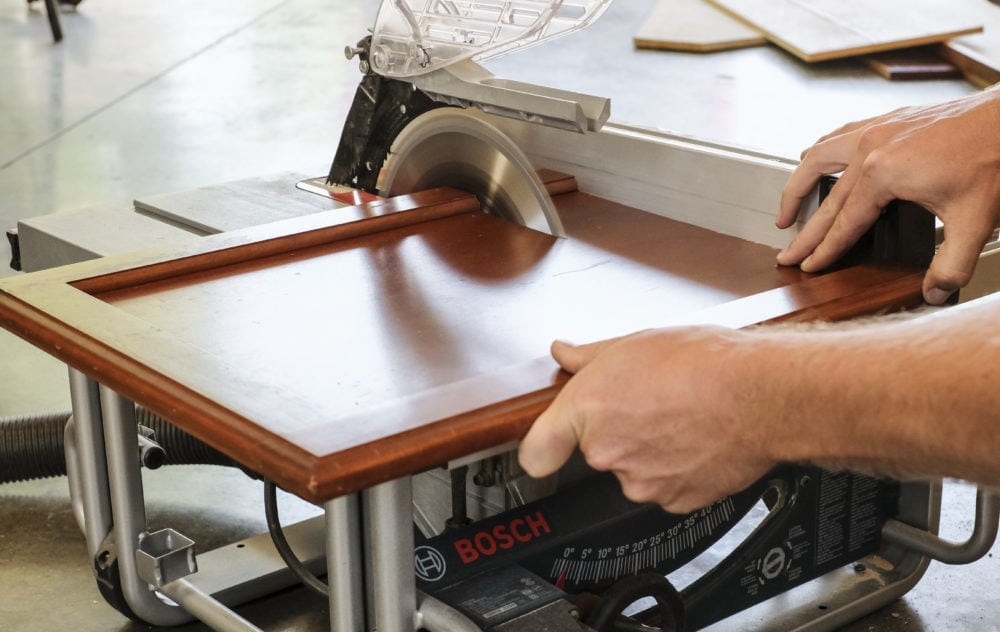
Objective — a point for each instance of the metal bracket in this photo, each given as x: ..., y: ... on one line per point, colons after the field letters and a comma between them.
x: 164, y: 556
x: 467, y: 84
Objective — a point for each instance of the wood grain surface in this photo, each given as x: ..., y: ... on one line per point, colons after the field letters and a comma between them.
x: 333, y: 353
x: 912, y: 64
x: 816, y: 30
x: 694, y: 26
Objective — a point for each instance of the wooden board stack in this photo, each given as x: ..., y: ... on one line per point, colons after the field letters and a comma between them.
x: 817, y: 30
x: 978, y: 56
x: 889, y: 34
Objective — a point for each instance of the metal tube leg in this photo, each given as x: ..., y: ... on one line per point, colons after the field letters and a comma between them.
x: 129, y: 509
x: 73, y: 476
x: 55, y: 23
x: 92, y: 467
x: 345, y: 564
x: 206, y: 608
x: 984, y: 533
x: 392, y: 588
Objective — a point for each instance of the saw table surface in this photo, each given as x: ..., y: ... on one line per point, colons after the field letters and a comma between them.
x: 336, y: 351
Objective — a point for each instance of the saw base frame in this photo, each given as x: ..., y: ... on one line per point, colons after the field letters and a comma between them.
x: 111, y: 504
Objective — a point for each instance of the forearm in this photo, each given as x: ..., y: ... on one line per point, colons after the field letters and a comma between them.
x: 918, y: 398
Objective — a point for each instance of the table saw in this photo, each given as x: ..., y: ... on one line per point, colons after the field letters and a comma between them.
x: 381, y: 359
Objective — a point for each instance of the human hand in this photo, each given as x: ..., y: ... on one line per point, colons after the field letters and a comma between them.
x: 945, y: 158
x: 661, y: 409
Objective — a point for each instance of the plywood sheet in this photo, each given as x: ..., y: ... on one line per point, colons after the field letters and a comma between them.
x: 817, y: 30
x: 978, y: 55
x: 696, y: 26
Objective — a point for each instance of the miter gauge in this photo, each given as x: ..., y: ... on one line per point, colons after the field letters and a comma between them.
x: 408, y: 128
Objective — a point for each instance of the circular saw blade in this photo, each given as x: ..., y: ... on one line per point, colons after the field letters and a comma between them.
x: 450, y: 147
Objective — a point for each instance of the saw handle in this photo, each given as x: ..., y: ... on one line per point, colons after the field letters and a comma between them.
x: 628, y: 590
x: 984, y: 534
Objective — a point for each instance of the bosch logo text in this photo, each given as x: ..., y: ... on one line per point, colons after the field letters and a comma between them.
x: 502, y: 537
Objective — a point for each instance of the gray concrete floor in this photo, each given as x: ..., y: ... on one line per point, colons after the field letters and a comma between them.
x: 146, y: 97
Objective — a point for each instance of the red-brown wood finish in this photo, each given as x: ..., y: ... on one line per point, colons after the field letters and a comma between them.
x: 337, y: 351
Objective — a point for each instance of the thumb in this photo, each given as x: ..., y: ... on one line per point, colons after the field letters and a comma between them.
x: 549, y: 442
x: 952, y: 266
x: 573, y: 358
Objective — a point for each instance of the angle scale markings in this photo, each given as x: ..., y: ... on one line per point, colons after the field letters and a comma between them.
x: 558, y: 568
x: 661, y: 550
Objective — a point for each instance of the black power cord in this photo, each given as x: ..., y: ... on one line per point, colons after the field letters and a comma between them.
x: 308, y: 579
x: 606, y: 617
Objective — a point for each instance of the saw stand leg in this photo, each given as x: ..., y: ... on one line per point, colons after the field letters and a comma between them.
x: 368, y: 539
x: 142, y: 574
x: 389, y: 525
x: 387, y: 602
x: 55, y: 22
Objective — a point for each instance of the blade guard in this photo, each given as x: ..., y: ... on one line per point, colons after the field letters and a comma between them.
x: 414, y: 37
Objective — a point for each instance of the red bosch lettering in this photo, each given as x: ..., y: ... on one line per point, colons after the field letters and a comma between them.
x: 466, y: 551
x: 502, y: 537
x: 538, y: 524
x: 485, y: 543
x: 515, y: 529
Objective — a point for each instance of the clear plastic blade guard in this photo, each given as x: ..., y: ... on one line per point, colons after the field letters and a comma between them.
x: 413, y: 37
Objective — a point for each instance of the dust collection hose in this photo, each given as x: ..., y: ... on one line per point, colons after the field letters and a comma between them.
x: 32, y: 446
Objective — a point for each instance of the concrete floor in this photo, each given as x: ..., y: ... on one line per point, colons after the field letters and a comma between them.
x: 145, y: 97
